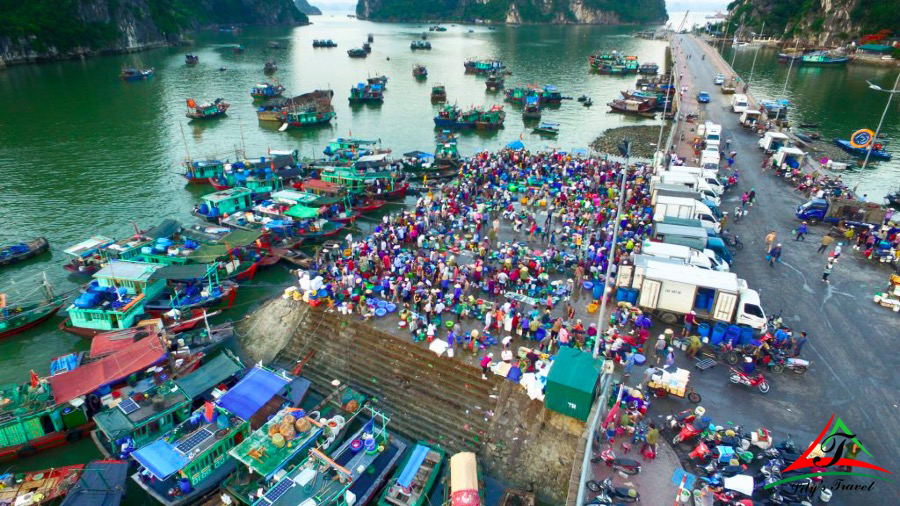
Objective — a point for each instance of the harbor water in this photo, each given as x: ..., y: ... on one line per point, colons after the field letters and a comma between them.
x: 84, y: 153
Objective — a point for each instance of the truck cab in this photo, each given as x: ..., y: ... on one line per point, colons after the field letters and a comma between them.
x: 739, y: 103
x: 750, y: 311
x: 813, y: 210
x: 771, y: 141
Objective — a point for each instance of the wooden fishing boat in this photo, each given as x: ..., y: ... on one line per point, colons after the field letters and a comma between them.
x: 447, y: 116
x: 199, y: 293
x: 438, y: 93
x: 420, y: 72
x: 191, y: 59
x: 823, y: 58
x: 638, y: 107
x: 320, y: 230
x: 492, y: 119
x: 357, y: 53
x: 206, y: 110
x: 367, y: 93
x: 648, y: 69
x: 494, y: 81
x: 307, y: 116
x: 415, y: 477
x: 367, y: 47
x: 324, y: 43
x: 293, y: 256
x: 547, y: 128
x: 215, y: 205
x: 23, y: 251
x: 483, y: 66
x: 15, y: 318
x: 200, y: 171
x: 133, y: 74
x: 382, y: 80
x: 87, y: 255
x: 420, y: 44
x: 39, y: 487
x: 532, y: 108
x: 368, y: 204
x: 266, y: 90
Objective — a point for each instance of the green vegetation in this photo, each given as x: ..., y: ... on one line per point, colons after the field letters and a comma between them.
x: 781, y: 16
x: 531, y: 11
x: 52, y: 22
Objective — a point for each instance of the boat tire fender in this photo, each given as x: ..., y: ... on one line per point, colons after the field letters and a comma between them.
x: 74, y: 435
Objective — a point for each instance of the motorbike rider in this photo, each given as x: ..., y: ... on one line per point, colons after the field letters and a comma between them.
x: 749, y: 365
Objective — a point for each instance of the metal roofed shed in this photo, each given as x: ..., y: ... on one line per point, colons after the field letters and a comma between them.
x: 572, y: 383
x: 89, y: 246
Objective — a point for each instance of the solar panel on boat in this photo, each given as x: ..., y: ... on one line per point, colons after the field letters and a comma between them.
x: 278, y: 491
x: 194, y: 440
x: 128, y: 406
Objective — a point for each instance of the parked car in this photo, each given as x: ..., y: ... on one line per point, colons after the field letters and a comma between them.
x: 719, y: 79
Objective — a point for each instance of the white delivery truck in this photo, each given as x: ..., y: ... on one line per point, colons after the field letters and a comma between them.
x: 792, y: 157
x: 709, y: 159
x: 771, y: 141
x: 685, y: 208
x: 739, y: 103
x: 686, y: 255
x: 671, y: 291
x: 659, y: 189
x: 692, y: 182
x: 710, y: 176
x: 712, y: 135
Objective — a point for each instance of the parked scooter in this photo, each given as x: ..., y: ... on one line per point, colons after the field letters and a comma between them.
x: 690, y: 430
x: 676, y: 421
x: 781, y: 362
x: 758, y: 381
x: 787, y: 450
x: 606, y: 488
x: 627, y: 466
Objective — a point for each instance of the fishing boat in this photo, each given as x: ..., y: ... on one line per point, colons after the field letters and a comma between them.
x: 550, y: 95
x: 270, y: 67
x: 200, y: 171
x: 313, y: 230
x: 420, y: 72
x: 547, y: 128
x: 420, y: 45
x: 447, y: 116
x: 823, y: 58
x: 463, y: 485
x: 217, y: 204
x: 324, y: 43
x: 38, y: 487
x: 134, y: 74
x: 322, y: 426
x: 418, y: 164
x: 438, y: 93
x: 893, y: 199
x: 102, y: 483
x: 532, y: 109
x: 366, y: 93
x: 191, y: 59
x: 786, y: 57
x: 588, y: 102
x: 357, y: 53
x: 206, y: 110
x: 195, y: 287
x: 294, y: 256
x: 382, y: 80
x: 87, y: 255
x: 343, y: 146
x: 308, y: 116
x: 638, y: 107
x: 446, y: 154
x: 266, y: 90
x: 20, y: 316
x: 494, y: 81
x: 192, y: 459
x: 367, y: 204
x: 351, y: 474
x: 878, y: 152
x: 483, y: 66
x: 648, y: 69
x: 146, y: 411
x: 238, y: 49
x: 516, y: 95
x: 492, y: 119
x: 22, y: 251
x: 415, y: 477
x: 367, y: 47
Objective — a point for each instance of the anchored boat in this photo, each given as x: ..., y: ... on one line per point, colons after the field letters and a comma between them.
x: 23, y: 250
x: 206, y: 110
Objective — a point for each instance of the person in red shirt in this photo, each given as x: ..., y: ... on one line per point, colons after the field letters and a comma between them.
x: 690, y: 320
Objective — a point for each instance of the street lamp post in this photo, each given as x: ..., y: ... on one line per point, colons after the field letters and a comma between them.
x: 625, y: 149
x: 753, y: 65
x: 887, y: 106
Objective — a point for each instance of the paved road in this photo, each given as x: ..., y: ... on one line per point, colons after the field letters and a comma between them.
x: 853, y: 342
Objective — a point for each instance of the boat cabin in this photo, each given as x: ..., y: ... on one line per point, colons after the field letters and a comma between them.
x: 224, y: 202
x: 145, y: 412
x: 29, y: 415
x: 199, y: 171
x: 86, y: 255
x: 116, y: 297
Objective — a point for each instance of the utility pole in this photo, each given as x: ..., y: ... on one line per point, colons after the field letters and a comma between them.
x: 887, y: 106
x: 753, y: 65
x: 625, y: 150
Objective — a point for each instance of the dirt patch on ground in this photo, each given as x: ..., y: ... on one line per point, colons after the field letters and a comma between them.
x: 643, y: 139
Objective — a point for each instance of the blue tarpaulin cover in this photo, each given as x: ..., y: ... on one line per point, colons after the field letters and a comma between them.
x: 101, y: 484
x: 516, y: 145
x: 412, y: 466
x: 252, y: 393
x: 160, y: 459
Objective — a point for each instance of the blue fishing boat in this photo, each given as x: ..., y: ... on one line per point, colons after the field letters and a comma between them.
x: 266, y: 90
x: 823, y: 58
x: 447, y: 116
x: 133, y: 74
x: 878, y: 151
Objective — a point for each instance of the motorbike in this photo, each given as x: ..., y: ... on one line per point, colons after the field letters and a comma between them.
x: 627, y: 466
x: 758, y: 381
x: 786, y: 450
x: 733, y: 240
x: 692, y: 429
x: 687, y: 416
x: 610, y: 492
x: 780, y: 362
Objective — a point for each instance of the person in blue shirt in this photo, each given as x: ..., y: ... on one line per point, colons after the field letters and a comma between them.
x: 749, y: 366
x: 801, y: 231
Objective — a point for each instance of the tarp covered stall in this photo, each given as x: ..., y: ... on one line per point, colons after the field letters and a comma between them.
x: 252, y: 392
x: 572, y: 382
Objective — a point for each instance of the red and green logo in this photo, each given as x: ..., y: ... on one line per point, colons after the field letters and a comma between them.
x: 834, y: 447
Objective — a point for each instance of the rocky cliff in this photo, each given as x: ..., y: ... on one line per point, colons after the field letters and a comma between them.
x: 515, y: 11
x: 34, y: 30
x: 304, y: 7
x: 816, y: 22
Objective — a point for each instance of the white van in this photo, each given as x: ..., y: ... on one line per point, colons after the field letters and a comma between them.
x: 685, y: 254
x: 709, y: 175
x: 739, y: 103
x: 710, y: 160
x: 712, y: 135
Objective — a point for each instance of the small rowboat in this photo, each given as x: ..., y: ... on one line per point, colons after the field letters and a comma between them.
x: 22, y: 251
x: 298, y: 258
x: 369, y: 205
x: 17, y: 319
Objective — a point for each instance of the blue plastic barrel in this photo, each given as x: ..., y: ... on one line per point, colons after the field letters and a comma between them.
x: 746, y: 334
x: 632, y: 295
x: 700, y: 300
x: 703, y: 329
x: 598, y: 290
x: 718, y: 333
x: 621, y: 294
x: 733, y: 335
x: 540, y: 333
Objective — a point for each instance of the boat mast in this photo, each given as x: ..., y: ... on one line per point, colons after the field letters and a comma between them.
x: 733, y: 46
x: 184, y: 139
x: 753, y: 65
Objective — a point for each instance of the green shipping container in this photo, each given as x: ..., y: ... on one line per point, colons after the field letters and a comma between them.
x: 572, y: 383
